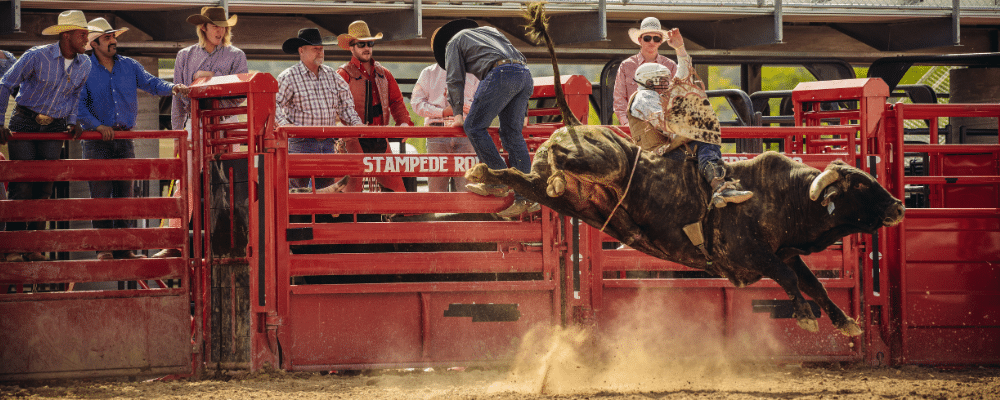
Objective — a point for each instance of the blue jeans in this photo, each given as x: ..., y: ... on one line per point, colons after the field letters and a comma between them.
x: 707, y: 154
x: 108, y: 150
x: 32, y: 150
x: 309, y: 145
x: 504, y: 92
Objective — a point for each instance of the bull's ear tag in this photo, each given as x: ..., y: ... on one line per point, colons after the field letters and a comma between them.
x: 829, y: 208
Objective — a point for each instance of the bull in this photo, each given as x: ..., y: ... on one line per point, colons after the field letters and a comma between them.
x: 645, y: 201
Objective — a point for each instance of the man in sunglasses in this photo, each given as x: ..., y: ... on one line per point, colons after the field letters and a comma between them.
x: 649, y: 37
x: 376, y: 97
x: 671, y: 116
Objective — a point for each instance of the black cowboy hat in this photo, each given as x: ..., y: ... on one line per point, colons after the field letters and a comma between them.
x: 307, y: 37
x: 441, y: 36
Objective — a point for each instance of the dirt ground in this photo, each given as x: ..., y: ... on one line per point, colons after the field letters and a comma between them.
x: 749, y: 381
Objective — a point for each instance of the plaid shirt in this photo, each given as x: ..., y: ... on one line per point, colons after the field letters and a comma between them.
x: 625, y: 82
x: 307, y: 100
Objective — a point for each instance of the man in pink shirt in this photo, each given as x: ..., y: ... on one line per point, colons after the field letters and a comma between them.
x: 649, y: 37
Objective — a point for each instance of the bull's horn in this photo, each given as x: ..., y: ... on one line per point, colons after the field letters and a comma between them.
x: 821, y: 182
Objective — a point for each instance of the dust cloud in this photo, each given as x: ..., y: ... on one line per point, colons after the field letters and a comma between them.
x: 657, y: 344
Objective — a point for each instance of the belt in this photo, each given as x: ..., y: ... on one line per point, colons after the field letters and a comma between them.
x: 504, y: 62
x: 121, y: 128
x: 40, y: 119
x: 436, y: 124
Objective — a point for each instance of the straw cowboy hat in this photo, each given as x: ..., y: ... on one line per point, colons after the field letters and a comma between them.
x: 100, y: 26
x: 68, y: 21
x: 648, y: 25
x: 442, y: 35
x: 307, y: 37
x: 212, y: 15
x: 357, y: 31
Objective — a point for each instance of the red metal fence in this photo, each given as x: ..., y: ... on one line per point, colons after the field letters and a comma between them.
x: 64, y: 333
x: 321, y: 281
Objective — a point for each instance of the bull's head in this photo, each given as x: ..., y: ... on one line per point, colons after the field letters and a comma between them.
x: 856, y: 197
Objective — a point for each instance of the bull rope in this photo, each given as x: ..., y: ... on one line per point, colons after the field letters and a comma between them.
x: 627, y: 186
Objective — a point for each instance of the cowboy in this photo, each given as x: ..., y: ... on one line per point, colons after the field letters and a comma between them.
x: 50, y: 78
x: 649, y: 37
x: 376, y: 96
x: 213, y: 55
x: 657, y: 127
x: 312, y: 94
x: 430, y: 100
x: 109, y: 103
x: 462, y: 46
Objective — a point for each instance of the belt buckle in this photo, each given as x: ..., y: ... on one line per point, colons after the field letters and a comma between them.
x: 43, y: 119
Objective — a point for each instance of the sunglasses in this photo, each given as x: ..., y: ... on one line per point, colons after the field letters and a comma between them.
x: 649, y: 38
x: 363, y: 44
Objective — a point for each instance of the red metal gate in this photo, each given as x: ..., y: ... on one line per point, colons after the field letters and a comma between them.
x: 69, y: 334
x: 946, y: 289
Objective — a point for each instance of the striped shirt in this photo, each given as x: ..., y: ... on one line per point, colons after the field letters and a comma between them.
x: 305, y: 99
x: 625, y: 82
x: 225, y: 60
x: 46, y: 87
x: 430, y: 96
x: 7, y: 62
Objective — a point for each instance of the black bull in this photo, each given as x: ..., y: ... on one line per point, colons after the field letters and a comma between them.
x: 584, y: 171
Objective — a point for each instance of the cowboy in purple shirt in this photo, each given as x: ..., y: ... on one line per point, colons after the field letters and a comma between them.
x: 109, y: 103
x: 50, y: 78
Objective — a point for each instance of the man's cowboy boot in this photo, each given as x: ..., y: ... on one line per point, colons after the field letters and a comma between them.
x: 723, y: 191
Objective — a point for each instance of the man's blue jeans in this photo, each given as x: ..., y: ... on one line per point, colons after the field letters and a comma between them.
x: 109, y: 150
x: 310, y: 145
x: 504, y: 92
x: 32, y: 150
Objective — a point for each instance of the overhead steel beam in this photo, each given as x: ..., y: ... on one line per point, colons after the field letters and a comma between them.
x: 584, y: 27
x: 167, y: 26
x: 731, y: 34
x: 394, y: 25
x: 902, y: 36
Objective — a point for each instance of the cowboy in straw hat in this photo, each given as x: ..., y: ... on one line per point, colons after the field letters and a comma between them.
x: 376, y: 96
x: 109, y: 103
x: 312, y: 94
x: 50, y: 79
x: 670, y: 115
x: 462, y: 46
x: 100, y: 27
x: 213, y: 55
x: 649, y: 36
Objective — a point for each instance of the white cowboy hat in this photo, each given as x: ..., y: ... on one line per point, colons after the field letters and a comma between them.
x: 648, y: 25
x: 101, y: 26
x: 68, y: 21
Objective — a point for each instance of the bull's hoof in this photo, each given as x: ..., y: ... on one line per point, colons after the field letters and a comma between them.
x: 556, y: 187
x: 850, y: 328
x: 476, y: 173
x: 810, y: 325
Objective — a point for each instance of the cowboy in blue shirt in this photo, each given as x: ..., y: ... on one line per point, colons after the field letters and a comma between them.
x: 109, y: 103
x: 50, y: 78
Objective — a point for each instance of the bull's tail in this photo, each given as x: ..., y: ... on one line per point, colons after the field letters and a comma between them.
x: 538, y: 30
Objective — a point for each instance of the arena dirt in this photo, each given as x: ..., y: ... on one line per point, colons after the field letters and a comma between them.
x: 633, y: 361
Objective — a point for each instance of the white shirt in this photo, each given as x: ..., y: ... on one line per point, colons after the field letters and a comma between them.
x: 646, y: 105
x: 430, y: 94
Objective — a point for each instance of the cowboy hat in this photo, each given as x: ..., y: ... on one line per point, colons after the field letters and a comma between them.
x: 68, y: 21
x: 443, y: 35
x: 100, y: 26
x: 212, y: 15
x: 357, y: 31
x: 648, y: 25
x: 307, y: 37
